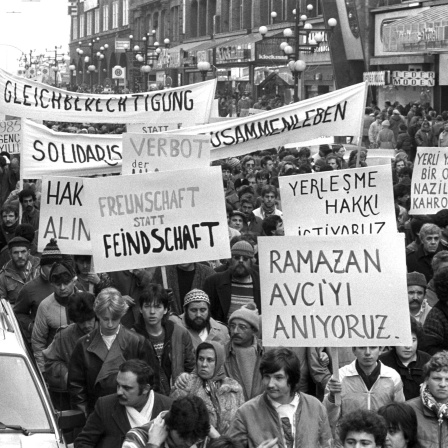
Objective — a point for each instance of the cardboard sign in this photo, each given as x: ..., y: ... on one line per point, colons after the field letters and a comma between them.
x: 344, y: 202
x: 27, y: 98
x: 47, y: 153
x: 429, y: 188
x: 157, y: 219
x: 334, y: 291
x: 10, y: 136
x: 63, y: 215
x: 335, y: 113
x: 144, y: 153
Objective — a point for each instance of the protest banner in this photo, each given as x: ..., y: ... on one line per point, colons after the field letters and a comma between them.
x: 143, y: 153
x: 10, y: 136
x: 63, y: 215
x: 46, y: 153
x: 358, y: 201
x: 335, y: 113
x: 334, y: 291
x: 157, y: 219
x: 429, y: 187
x: 152, y: 128
x: 31, y: 99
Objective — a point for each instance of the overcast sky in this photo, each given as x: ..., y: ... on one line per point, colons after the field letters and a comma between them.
x: 31, y: 25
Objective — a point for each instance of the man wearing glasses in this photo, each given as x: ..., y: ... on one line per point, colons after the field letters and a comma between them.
x: 237, y: 286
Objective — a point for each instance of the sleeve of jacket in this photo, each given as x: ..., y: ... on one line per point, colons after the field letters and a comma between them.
x: 3, y: 290
x: 399, y: 395
x: 189, y: 357
x: 371, y: 134
x: 238, y: 430
x: 76, y: 382
x: 93, y: 429
x: 56, y: 367
x: 39, y: 337
x: 325, y: 435
x: 418, y: 139
x: 433, y: 340
x: 319, y: 374
x: 22, y: 309
x: 216, y: 310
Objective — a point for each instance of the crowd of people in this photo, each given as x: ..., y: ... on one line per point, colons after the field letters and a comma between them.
x: 173, y: 356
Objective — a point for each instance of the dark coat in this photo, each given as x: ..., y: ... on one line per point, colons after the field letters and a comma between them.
x: 436, y: 329
x: 419, y: 261
x: 107, y: 426
x: 88, y: 359
x: 404, y: 141
x: 219, y: 289
x: 178, y: 352
x: 412, y: 375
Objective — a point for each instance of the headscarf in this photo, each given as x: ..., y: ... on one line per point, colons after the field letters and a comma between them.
x: 219, y: 373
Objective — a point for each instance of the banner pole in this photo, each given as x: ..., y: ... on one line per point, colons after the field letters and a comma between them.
x: 358, y: 156
x: 164, y: 279
x: 335, y: 365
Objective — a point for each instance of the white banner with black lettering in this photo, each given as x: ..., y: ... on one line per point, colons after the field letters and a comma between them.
x: 143, y: 153
x: 10, y: 136
x: 337, y: 113
x: 157, y: 219
x: 357, y: 201
x: 334, y: 291
x: 63, y: 215
x: 23, y: 97
x: 46, y: 152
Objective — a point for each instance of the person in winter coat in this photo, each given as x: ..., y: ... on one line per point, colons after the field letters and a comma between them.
x: 281, y: 412
x: 58, y: 354
x: 386, y: 138
x: 423, y: 136
x: 395, y: 121
x: 409, y: 362
x: 171, y: 343
x: 97, y: 356
x: 431, y: 406
x: 374, y: 130
x: 404, y: 140
x: 222, y: 395
x: 366, y: 384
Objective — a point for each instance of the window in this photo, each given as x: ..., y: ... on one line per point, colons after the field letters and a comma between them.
x: 97, y: 20
x: 317, y: 8
x: 74, y: 28
x: 81, y: 26
x: 105, y: 17
x: 115, y: 15
x: 125, y: 12
x: 89, y: 23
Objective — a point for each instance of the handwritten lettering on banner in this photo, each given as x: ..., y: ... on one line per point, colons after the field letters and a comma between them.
x: 10, y: 136
x: 157, y: 219
x: 334, y: 291
x: 152, y: 128
x: 335, y: 113
x: 46, y: 153
x: 345, y: 202
x: 27, y: 98
x: 63, y: 215
x: 144, y: 153
x: 429, y: 188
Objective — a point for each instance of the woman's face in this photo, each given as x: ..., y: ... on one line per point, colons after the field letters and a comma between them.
x: 400, y: 165
x: 395, y: 439
x: 108, y: 323
x: 206, y: 363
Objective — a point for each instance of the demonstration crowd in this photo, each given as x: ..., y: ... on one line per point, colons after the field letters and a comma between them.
x: 173, y: 356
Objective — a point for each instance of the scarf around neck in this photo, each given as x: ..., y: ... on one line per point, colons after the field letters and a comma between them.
x: 439, y: 409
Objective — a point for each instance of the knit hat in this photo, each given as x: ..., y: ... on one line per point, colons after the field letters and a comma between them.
x: 396, y: 111
x: 19, y: 241
x: 249, y: 314
x: 51, y: 253
x: 243, y: 248
x: 196, y: 295
x: 62, y: 267
x: 416, y: 279
x: 386, y: 123
x: 233, y: 162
